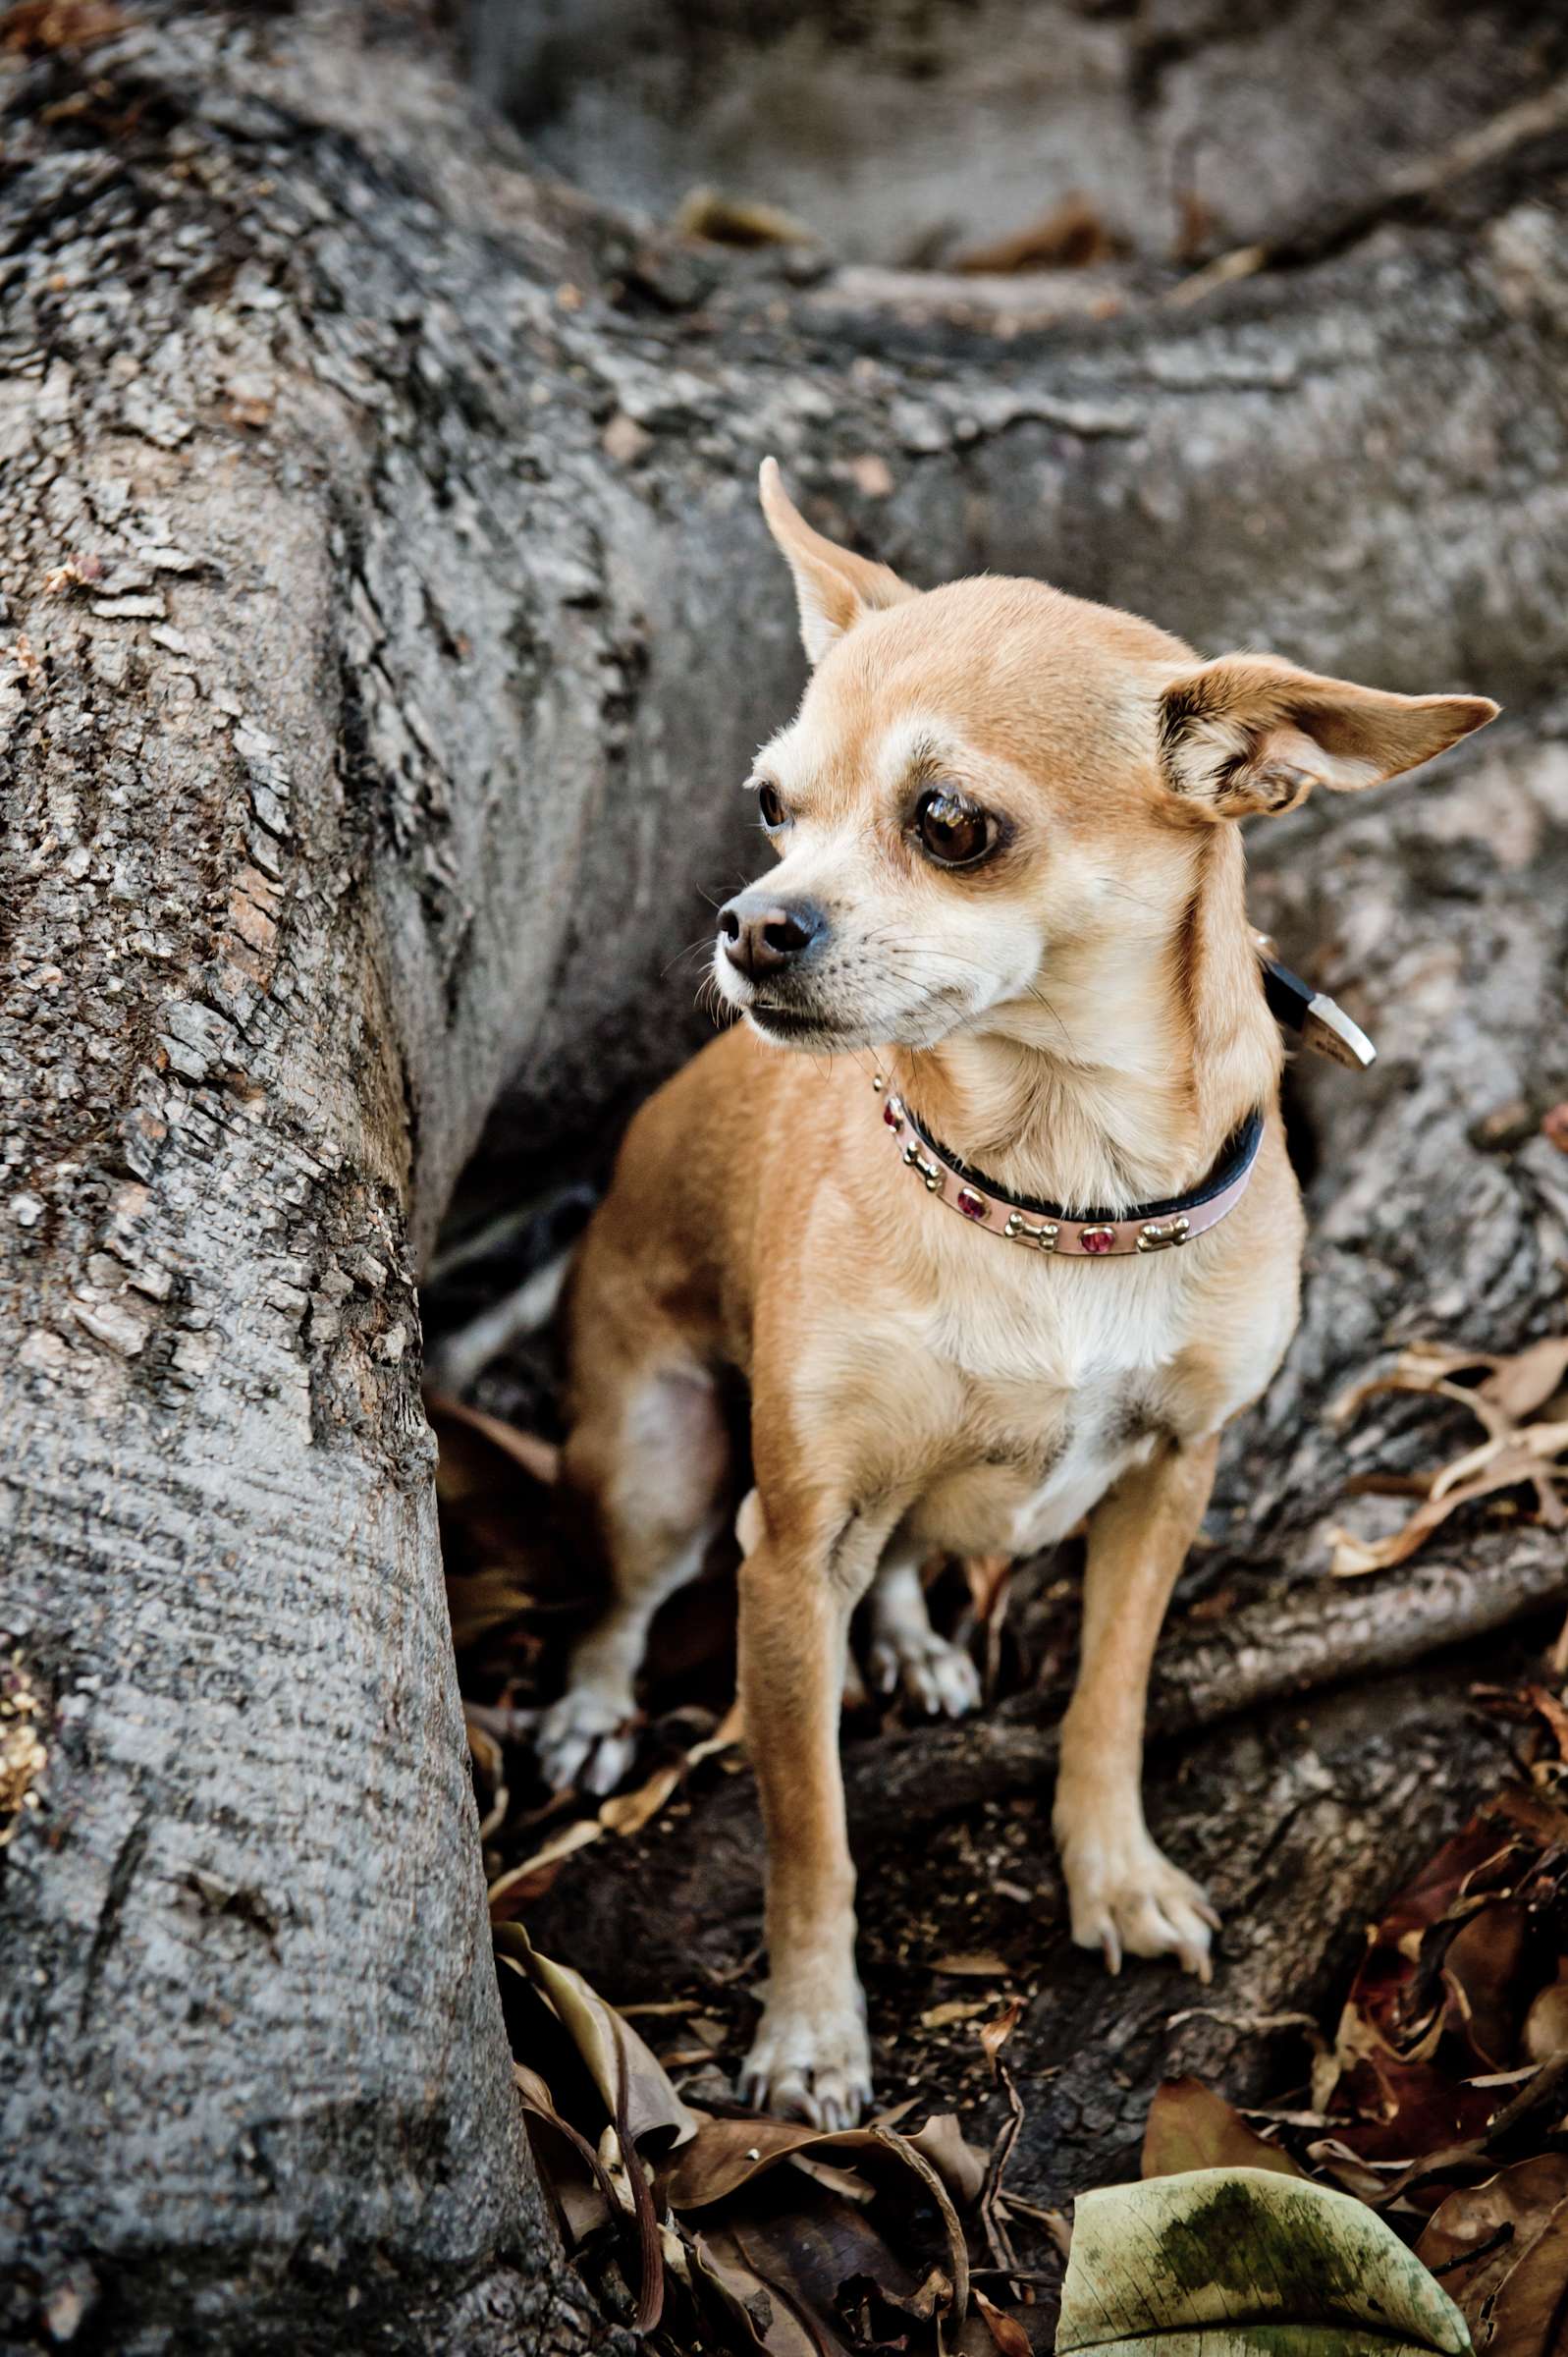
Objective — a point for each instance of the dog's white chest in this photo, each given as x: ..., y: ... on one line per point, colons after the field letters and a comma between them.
x: 1058, y: 1389
x: 1026, y: 1480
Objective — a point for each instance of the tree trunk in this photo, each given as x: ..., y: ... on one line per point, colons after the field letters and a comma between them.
x: 386, y: 624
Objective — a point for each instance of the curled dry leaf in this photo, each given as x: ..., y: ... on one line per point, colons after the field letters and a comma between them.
x: 812, y: 2249
x: 1424, y: 1367
x: 631, y: 2082
x: 511, y: 1891
x: 767, y: 2318
x: 1527, y: 1381
x: 1502, y: 2248
x: 1251, y: 2261
x: 1004, y: 2329
x: 994, y: 2034
x: 815, y: 2276
x: 1407, y: 2039
x: 726, y: 2155
x: 582, y: 2184
x: 956, y: 2161
x: 1515, y: 1455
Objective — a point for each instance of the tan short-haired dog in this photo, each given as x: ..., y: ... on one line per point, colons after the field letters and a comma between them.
x: 1010, y: 887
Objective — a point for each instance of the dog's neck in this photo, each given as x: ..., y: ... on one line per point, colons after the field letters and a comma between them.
x: 1121, y: 1078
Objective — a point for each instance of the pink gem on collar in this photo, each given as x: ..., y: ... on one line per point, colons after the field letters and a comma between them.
x: 1096, y: 1239
x: 972, y: 1206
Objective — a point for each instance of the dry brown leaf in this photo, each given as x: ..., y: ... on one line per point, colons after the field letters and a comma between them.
x: 1482, y: 2236
x: 987, y: 1576
x: 994, y: 2034
x: 956, y: 2161
x: 727, y: 2154
x: 1512, y: 1457
x: 1527, y: 1381
x: 32, y: 26
x: 574, y: 2172
x: 533, y: 1878
x: 725, y: 2157
x: 632, y: 2087
x: 1528, y: 2315
x: 623, y: 1814
x: 1514, y: 1469
x: 765, y: 2316
x: 958, y: 2008
x: 1072, y: 236
x: 628, y: 1813
x: 1546, y: 2030
x: 1189, y: 2126
x: 719, y: 219
x: 1548, y: 1706
x: 540, y: 1459
x: 1004, y: 2329
x: 1423, y: 1367
x: 502, y: 1554
x: 978, y: 1965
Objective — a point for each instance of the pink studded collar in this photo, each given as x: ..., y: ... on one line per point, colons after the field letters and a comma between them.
x: 1046, y: 1227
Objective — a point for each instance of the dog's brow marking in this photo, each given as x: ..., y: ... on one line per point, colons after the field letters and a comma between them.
x: 914, y: 744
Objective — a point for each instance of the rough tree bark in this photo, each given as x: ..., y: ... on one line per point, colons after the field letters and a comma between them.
x: 386, y: 620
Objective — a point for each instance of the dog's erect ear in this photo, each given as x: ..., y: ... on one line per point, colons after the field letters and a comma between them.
x: 832, y: 585
x: 1251, y: 733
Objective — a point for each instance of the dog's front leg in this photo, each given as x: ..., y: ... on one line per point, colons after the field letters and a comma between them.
x: 1124, y: 1893
x: 811, y: 2055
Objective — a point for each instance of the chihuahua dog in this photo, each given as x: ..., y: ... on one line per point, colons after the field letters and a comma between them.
x: 986, y: 1198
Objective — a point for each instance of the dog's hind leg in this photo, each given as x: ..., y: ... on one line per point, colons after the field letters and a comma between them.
x: 904, y: 1648
x: 647, y: 1464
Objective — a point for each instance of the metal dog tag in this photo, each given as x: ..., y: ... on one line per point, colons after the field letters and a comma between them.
x: 1322, y: 1024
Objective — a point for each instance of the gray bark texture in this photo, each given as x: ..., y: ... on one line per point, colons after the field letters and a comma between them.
x: 386, y: 623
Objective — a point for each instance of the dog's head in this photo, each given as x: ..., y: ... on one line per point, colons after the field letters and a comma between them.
x: 992, y: 780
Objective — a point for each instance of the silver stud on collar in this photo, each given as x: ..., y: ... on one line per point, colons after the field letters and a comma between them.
x: 930, y: 1172
x: 1158, y: 1236
x: 1045, y: 1238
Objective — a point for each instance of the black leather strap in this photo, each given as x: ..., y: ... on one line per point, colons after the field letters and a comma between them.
x: 1238, y: 1156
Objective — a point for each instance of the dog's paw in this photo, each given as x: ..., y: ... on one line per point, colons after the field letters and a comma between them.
x: 587, y: 1739
x: 1127, y: 1897
x: 934, y: 1672
x: 815, y: 2067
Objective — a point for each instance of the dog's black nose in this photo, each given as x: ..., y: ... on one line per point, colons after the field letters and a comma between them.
x: 764, y: 939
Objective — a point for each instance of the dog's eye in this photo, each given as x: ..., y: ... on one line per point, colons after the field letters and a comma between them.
x: 953, y: 830
x: 770, y: 804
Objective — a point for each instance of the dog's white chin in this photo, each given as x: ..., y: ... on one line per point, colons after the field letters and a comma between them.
x: 923, y: 1027
x: 803, y: 1032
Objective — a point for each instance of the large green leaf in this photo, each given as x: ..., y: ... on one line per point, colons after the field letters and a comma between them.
x: 1245, y: 2263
